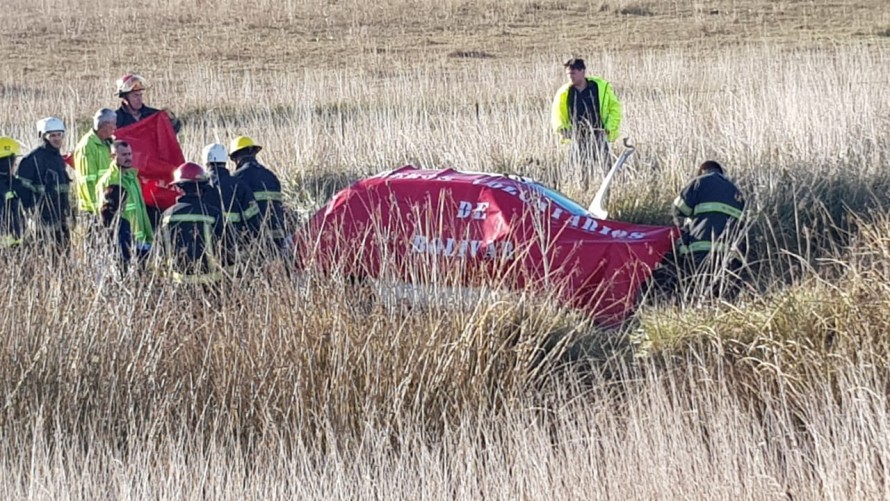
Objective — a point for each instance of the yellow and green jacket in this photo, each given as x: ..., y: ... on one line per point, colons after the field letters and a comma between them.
x: 561, y: 118
x: 92, y: 156
x: 119, y: 191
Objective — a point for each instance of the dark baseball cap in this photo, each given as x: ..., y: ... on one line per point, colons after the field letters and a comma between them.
x: 575, y: 63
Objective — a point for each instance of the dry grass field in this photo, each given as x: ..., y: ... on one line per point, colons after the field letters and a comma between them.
x: 293, y: 389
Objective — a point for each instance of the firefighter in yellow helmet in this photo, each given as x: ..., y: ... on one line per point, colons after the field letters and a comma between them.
x: 265, y: 187
x: 129, y: 89
x: 16, y: 196
x: 239, y: 208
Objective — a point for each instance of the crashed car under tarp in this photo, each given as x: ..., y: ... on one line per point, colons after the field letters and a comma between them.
x: 423, y: 225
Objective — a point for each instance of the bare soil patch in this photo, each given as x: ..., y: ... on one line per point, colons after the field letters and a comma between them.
x: 81, y: 39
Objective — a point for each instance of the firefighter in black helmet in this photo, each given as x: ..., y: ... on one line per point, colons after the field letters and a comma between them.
x: 707, y: 212
x: 709, y: 254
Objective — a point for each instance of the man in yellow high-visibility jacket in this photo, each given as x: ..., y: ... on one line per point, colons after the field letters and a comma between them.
x: 92, y: 158
x: 586, y: 112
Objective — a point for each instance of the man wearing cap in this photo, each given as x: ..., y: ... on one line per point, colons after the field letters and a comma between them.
x: 43, y: 172
x: 129, y: 89
x: 586, y: 112
x: 265, y: 187
x: 92, y: 158
x: 16, y: 197
x: 192, y: 230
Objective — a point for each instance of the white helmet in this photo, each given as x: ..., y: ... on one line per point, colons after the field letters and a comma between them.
x: 49, y: 124
x: 215, y: 154
x: 130, y: 82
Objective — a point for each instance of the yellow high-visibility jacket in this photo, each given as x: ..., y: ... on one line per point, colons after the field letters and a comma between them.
x: 92, y: 156
x: 609, y: 107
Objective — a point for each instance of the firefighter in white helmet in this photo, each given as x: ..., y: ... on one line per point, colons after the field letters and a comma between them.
x: 129, y: 89
x: 43, y: 172
x: 236, y: 201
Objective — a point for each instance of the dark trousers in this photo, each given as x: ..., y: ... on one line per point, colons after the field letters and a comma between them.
x: 590, y: 156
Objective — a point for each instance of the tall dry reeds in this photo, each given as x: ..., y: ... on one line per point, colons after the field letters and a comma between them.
x: 309, y: 388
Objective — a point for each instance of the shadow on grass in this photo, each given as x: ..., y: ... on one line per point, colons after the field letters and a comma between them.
x: 796, y: 216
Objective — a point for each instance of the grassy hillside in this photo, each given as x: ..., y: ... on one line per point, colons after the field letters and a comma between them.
x: 282, y: 389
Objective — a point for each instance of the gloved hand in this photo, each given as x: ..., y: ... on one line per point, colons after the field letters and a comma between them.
x: 174, y: 121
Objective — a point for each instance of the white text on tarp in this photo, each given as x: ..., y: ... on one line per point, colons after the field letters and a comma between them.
x: 462, y: 248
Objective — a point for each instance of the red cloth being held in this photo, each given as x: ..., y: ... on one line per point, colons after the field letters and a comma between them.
x: 156, y: 154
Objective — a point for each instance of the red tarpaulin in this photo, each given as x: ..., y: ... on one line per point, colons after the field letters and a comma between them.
x: 422, y: 223
x: 156, y: 154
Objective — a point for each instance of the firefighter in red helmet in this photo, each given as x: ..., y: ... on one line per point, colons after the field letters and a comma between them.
x: 192, y: 230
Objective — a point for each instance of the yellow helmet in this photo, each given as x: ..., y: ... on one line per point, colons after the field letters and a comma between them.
x: 242, y: 142
x: 9, y: 147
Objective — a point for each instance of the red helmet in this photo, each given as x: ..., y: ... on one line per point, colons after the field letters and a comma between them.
x: 189, y: 172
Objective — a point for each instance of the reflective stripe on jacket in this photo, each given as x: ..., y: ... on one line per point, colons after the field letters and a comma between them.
x: 191, y: 232
x: 712, y: 204
x: 16, y: 197
x: 266, y: 190
x: 92, y: 156
x: 43, y: 172
x: 237, y: 202
x: 133, y: 210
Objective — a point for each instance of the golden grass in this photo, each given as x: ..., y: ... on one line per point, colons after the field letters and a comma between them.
x: 103, y: 36
x: 303, y: 389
